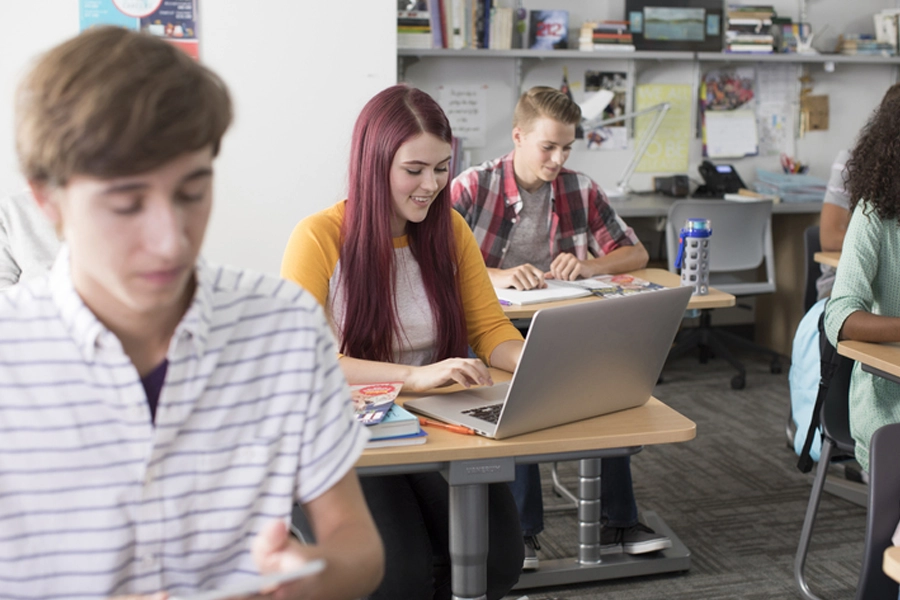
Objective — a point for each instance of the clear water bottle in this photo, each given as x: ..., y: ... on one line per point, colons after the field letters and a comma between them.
x: 693, y: 255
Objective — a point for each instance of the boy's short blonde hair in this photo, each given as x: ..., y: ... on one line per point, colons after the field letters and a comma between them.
x: 543, y: 101
x: 112, y: 102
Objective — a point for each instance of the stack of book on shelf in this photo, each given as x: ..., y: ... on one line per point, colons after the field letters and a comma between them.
x: 859, y: 43
x: 750, y: 29
x: 389, y: 424
x: 414, y: 29
x: 459, y: 24
x: 605, y: 36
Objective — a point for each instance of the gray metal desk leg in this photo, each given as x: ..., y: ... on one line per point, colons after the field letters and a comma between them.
x: 469, y: 540
x: 589, y: 511
x: 469, y: 522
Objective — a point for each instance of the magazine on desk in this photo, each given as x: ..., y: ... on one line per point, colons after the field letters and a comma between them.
x: 373, y: 401
x: 604, y: 286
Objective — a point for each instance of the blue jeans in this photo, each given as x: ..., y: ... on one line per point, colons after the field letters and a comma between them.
x: 617, y: 505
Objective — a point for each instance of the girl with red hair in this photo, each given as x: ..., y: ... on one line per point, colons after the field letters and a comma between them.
x: 402, y: 280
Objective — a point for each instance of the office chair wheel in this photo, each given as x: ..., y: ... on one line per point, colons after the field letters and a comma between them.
x: 738, y: 382
x: 775, y: 367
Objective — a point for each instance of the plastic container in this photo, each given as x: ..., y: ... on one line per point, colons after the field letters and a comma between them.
x: 693, y: 255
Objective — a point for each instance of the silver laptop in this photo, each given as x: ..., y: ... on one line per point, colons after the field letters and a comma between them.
x: 579, y: 361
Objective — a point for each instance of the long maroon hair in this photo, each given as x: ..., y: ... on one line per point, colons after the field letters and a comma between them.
x: 371, y: 323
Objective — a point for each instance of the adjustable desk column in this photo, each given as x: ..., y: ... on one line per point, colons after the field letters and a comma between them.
x: 471, y: 462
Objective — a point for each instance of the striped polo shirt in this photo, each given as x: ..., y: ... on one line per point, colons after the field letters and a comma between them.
x: 95, y: 501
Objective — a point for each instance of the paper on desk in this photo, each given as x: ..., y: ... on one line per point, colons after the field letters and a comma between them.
x: 731, y: 133
x: 552, y: 292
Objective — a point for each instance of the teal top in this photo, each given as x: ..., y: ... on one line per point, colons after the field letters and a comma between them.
x: 867, y: 279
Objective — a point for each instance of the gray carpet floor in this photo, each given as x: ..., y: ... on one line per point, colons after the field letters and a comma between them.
x: 733, y: 495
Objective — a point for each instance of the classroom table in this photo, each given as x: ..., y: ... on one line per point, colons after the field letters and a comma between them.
x: 891, y: 564
x: 828, y: 258
x: 878, y: 359
x: 471, y: 462
x: 715, y: 298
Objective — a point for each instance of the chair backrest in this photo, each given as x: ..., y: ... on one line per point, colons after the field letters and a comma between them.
x: 741, y: 240
x: 811, y: 245
x: 883, y: 516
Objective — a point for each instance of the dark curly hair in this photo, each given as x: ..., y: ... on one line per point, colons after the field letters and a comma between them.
x: 873, y: 170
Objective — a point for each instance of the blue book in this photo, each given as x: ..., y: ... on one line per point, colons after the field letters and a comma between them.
x: 398, y: 422
x: 548, y: 30
x: 402, y: 440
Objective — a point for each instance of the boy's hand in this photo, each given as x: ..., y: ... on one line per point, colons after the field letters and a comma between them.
x: 523, y: 277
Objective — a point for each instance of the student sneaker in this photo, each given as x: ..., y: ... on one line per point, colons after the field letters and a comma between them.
x: 638, y: 539
x: 531, y: 561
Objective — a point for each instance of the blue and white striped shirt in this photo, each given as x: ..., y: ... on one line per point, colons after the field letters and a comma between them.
x: 95, y: 501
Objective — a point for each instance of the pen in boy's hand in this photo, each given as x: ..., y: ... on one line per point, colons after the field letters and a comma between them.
x: 454, y: 428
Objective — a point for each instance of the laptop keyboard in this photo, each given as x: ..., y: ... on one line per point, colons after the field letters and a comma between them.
x: 489, y: 413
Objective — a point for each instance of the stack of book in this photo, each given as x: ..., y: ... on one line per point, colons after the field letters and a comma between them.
x: 605, y: 36
x: 388, y: 424
x: 750, y: 29
x: 414, y: 29
x: 859, y: 43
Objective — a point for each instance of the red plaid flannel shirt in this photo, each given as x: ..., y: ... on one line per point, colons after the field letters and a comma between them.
x: 582, y: 220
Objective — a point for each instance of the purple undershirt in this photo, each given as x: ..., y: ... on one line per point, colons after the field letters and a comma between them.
x: 153, y: 382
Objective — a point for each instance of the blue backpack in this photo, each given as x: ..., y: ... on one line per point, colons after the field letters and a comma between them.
x: 804, y: 378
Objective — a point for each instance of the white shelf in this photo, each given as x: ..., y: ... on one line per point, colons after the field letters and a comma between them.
x: 649, y: 55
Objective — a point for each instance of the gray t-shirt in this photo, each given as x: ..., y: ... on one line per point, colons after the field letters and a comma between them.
x: 837, y: 195
x: 529, y: 240
x: 28, y: 243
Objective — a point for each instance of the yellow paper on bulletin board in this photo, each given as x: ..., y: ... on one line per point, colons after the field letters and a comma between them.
x: 668, y: 150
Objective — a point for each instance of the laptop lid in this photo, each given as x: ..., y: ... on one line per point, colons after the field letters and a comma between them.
x: 579, y: 361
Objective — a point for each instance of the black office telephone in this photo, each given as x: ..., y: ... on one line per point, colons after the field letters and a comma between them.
x: 720, y: 180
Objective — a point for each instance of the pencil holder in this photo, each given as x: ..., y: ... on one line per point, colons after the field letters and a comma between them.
x: 693, y: 255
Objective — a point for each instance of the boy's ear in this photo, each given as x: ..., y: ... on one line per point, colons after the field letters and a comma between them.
x: 517, y: 136
x: 46, y: 200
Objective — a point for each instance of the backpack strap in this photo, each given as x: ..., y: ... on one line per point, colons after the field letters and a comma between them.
x: 829, y: 361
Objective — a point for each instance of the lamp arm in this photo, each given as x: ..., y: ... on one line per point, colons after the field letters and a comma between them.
x: 661, y: 110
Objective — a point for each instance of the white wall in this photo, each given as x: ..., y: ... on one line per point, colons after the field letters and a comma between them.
x: 298, y: 77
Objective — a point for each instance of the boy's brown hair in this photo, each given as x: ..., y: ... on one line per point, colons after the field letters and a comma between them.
x: 543, y: 101
x: 112, y: 102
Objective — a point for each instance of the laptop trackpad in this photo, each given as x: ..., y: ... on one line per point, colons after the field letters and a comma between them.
x: 453, y: 406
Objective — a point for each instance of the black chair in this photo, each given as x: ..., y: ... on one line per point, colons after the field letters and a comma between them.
x: 837, y: 445
x: 811, y: 245
x: 883, y: 516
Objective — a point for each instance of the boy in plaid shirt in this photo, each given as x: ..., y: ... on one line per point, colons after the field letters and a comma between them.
x: 536, y: 220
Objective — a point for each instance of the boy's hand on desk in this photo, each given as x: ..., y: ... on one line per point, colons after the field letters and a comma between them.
x: 464, y: 371
x: 566, y: 267
x: 523, y: 277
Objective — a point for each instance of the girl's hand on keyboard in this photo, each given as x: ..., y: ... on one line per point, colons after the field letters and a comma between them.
x: 464, y: 371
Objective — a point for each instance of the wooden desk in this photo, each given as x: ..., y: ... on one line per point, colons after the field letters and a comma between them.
x: 891, y: 564
x: 715, y: 298
x: 827, y: 258
x: 879, y: 359
x: 472, y: 462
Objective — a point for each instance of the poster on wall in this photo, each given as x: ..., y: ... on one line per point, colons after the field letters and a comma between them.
x: 174, y: 20
x: 612, y: 136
